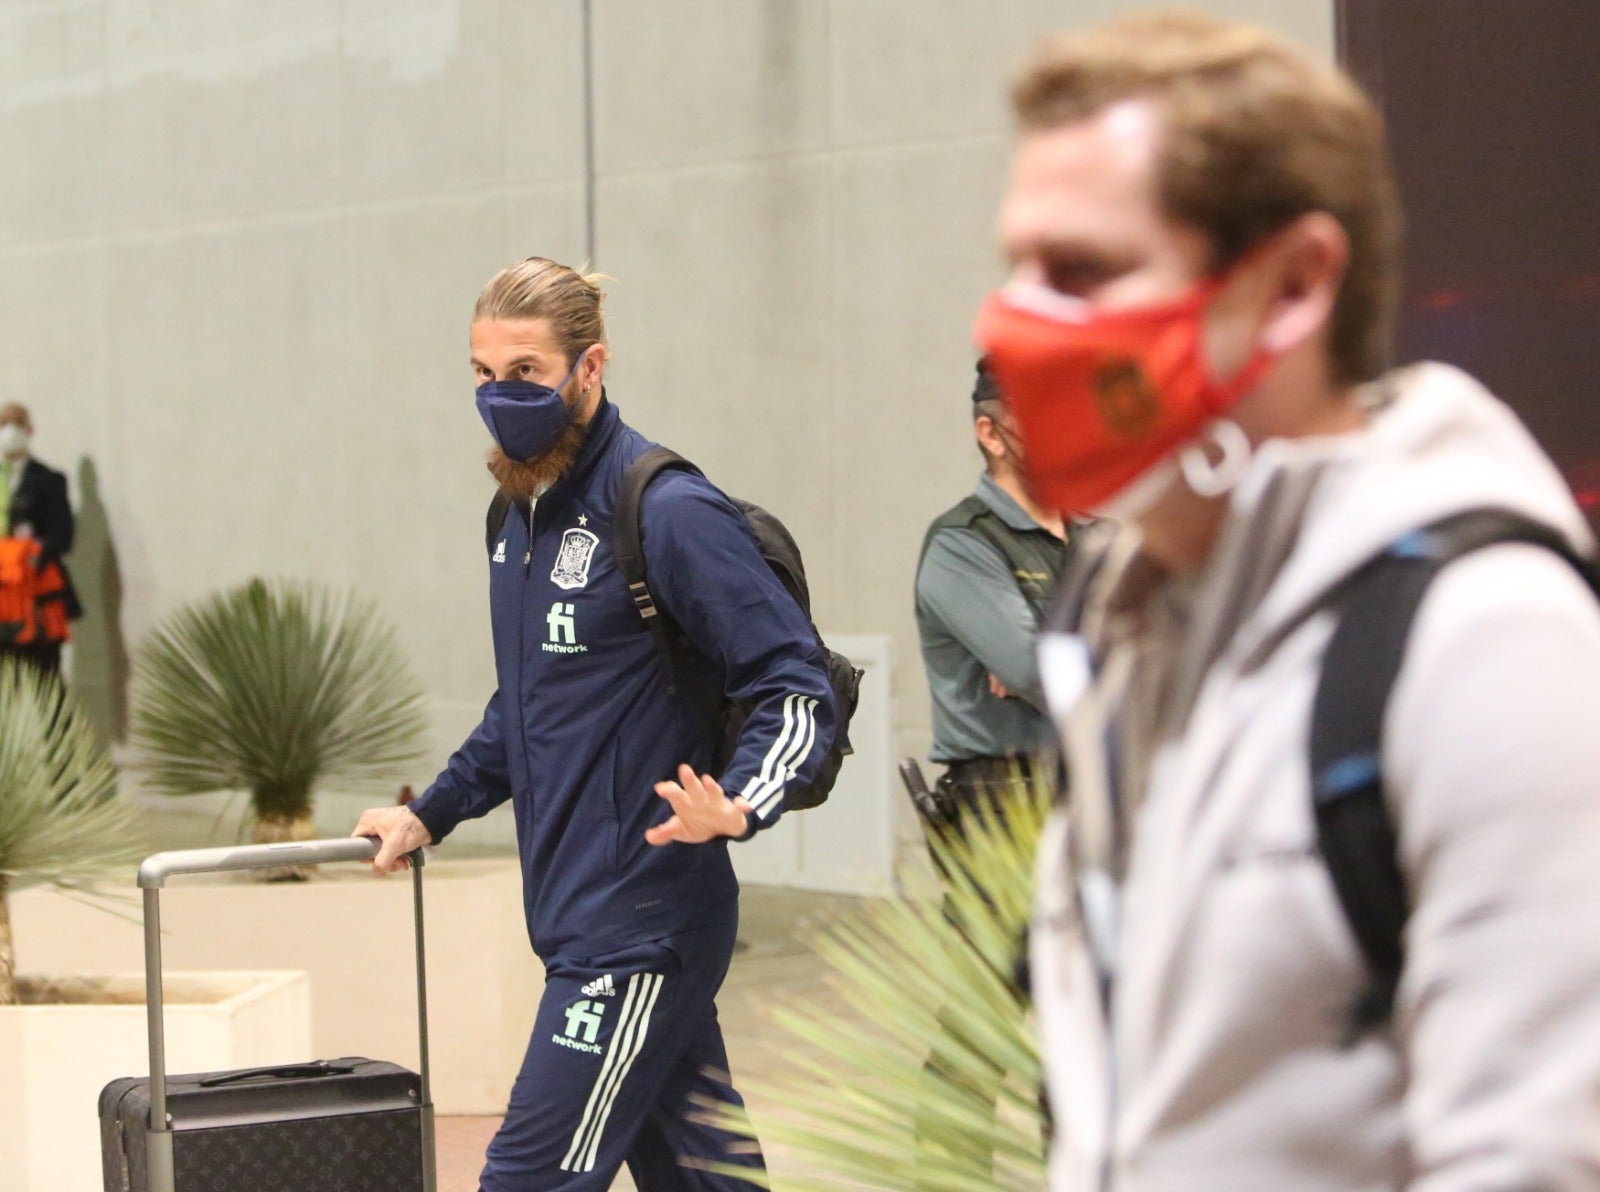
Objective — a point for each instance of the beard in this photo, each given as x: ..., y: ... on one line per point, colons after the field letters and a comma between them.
x: 528, y: 479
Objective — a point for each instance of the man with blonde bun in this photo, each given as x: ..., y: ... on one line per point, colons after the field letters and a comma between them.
x: 1255, y: 972
x: 629, y: 892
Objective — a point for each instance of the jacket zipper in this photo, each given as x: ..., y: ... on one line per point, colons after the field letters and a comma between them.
x: 522, y: 628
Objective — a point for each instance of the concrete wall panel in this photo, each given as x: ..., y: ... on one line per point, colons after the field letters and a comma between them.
x: 220, y: 111
x: 708, y: 80
x: 421, y: 110
x: 52, y: 124
x: 719, y: 318
x: 54, y: 299
x: 540, y: 113
x: 241, y: 242
x: 912, y: 258
x: 903, y: 70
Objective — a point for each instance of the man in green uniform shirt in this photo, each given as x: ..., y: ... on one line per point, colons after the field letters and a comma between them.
x: 988, y: 567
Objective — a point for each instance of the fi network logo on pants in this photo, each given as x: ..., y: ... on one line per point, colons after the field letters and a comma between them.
x: 563, y: 631
x: 583, y: 1027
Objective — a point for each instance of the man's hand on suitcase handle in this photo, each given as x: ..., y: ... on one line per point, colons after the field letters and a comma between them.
x: 398, y: 831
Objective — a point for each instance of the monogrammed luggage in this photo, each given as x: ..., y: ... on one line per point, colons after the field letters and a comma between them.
x: 347, y: 1125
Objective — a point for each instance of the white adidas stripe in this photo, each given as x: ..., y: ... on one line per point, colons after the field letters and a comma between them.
x: 640, y: 1027
x: 629, y: 1002
x: 799, y: 747
x: 764, y: 775
x: 800, y: 755
x: 766, y: 801
x: 796, y: 709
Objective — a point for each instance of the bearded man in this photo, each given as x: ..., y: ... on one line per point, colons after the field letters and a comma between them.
x: 629, y: 892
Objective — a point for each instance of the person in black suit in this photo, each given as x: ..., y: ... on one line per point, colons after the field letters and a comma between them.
x: 36, y: 507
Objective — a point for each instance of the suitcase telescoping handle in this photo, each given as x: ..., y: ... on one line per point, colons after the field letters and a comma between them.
x: 153, y: 874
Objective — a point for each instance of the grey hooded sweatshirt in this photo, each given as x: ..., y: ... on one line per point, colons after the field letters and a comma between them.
x: 1193, y: 970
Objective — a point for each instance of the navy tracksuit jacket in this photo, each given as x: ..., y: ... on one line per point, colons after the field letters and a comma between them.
x: 579, y: 731
x: 583, y: 726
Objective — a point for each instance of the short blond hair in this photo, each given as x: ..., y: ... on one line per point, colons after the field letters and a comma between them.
x: 1255, y: 133
x: 538, y: 288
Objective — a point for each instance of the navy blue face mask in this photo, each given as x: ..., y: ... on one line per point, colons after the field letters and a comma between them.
x: 525, y: 418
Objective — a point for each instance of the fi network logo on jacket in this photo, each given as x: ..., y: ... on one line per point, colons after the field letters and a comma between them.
x: 563, y: 631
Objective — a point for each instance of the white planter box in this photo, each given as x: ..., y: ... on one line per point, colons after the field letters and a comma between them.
x: 352, y: 933
x: 55, y: 1059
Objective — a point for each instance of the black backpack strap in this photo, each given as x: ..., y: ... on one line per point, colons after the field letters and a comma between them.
x: 1356, y: 836
x: 627, y: 544
x: 495, y: 518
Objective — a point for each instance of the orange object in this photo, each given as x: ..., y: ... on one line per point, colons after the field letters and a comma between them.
x: 1103, y: 396
x: 19, y: 559
x: 32, y: 597
x: 50, y: 603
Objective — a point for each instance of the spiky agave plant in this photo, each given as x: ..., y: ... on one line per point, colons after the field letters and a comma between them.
x: 933, y: 1081
x: 61, y: 821
x: 276, y: 688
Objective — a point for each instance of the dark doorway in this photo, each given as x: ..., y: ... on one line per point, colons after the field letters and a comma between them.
x: 1493, y: 109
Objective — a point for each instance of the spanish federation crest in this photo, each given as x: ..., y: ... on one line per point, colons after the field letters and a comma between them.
x: 573, y: 559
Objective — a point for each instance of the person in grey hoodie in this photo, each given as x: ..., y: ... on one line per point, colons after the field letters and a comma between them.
x: 1203, y: 228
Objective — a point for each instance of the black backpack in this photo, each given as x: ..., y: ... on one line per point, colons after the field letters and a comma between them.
x: 780, y: 553
x: 1355, y: 834
x: 685, y: 671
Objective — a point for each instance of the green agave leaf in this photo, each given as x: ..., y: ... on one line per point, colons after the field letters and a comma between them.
x: 60, y: 818
x: 275, y: 687
x: 932, y: 1083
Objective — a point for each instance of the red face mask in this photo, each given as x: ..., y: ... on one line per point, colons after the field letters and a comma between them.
x: 1101, y: 397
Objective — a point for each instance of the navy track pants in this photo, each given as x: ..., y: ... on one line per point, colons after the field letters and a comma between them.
x: 624, y: 1045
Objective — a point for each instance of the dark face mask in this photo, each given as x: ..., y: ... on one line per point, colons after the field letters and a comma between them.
x: 524, y: 417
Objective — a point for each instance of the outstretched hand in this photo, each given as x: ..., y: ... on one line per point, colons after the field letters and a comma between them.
x: 701, y: 811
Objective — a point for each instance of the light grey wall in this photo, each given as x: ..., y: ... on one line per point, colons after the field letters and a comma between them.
x: 239, y: 242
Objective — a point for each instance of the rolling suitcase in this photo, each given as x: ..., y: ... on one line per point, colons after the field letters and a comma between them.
x: 348, y: 1125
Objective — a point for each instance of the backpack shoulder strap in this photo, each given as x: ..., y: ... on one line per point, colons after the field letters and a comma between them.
x: 1355, y: 833
x: 494, y: 521
x: 495, y: 518
x: 627, y: 537
x: 627, y: 543
x: 779, y: 551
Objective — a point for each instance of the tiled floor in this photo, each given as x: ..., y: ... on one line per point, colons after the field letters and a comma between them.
x: 772, y: 960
